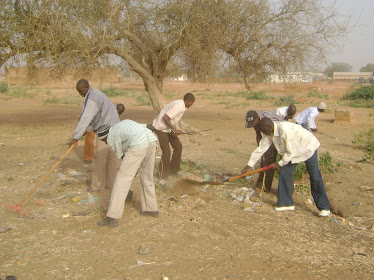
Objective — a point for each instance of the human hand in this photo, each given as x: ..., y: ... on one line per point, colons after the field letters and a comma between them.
x: 314, y: 129
x: 178, y: 132
x: 245, y: 169
x: 277, y: 166
x: 73, y: 142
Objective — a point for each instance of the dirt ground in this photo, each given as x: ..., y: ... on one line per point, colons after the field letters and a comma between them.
x: 202, y: 232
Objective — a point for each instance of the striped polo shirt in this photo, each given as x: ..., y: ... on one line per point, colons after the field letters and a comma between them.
x: 128, y: 135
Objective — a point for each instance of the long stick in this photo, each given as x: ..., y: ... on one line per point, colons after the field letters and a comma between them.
x: 198, y: 131
x: 327, y: 135
x: 50, y: 171
x: 250, y: 172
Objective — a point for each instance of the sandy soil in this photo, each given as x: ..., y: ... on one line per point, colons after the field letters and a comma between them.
x: 59, y: 239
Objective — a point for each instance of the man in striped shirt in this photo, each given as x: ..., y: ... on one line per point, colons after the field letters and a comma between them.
x: 136, y: 145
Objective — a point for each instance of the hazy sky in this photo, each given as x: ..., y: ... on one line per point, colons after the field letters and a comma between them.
x: 358, y: 49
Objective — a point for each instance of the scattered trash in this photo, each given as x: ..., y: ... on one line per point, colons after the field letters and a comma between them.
x: 60, y: 197
x: 144, y: 250
x: 84, y: 179
x: 65, y: 216
x: 205, y: 188
x: 361, y: 228
x: 335, y: 220
x: 243, y: 195
x: 91, y: 201
x: 87, y: 231
x: 199, y: 202
x: 367, y: 188
x: 248, y: 177
x: 355, y: 203
x: 207, y: 177
x: 76, y: 199
x: 40, y: 202
x: 85, y: 165
x: 60, y: 175
x: 158, y: 157
x: 360, y: 254
x: 139, y: 263
x: 54, y: 232
x: 165, y: 278
x: 75, y: 173
x: 81, y: 213
x: 5, y: 229
x: 19, y: 164
x: 249, y: 209
x: 183, y: 196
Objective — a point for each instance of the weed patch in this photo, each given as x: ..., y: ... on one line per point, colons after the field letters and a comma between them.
x: 317, y: 94
x: 285, y: 100
x: 143, y: 99
x: 365, y: 142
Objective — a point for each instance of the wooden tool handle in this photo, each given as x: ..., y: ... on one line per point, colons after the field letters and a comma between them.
x: 251, y: 172
x: 50, y: 171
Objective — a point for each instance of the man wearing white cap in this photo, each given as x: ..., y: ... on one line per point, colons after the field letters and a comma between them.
x: 306, y: 118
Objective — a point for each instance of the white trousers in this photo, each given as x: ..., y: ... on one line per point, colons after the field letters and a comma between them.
x: 145, y: 159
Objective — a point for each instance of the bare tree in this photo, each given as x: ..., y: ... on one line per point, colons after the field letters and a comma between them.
x: 261, y: 35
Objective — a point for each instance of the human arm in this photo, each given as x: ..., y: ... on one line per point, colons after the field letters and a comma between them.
x: 167, y: 120
x: 311, y: 117
x: 89, y: 112
x: 264, y: 145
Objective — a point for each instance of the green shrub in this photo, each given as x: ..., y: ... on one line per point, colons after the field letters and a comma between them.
x: 324, y: 162
x: 143, y: 99
x: 4, y: 87
x: 248, y: 95
x: 317, y: 94
x: 113, y: 91
x: 21, y: 92
x: 365, y: 141
x: 362, y: 93
x: 285, y: 100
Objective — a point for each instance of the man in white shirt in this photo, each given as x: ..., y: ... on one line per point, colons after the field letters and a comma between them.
x: 295, y: 145
x: 136, y: 145
x: 286, y: 113
x: 252, y: 119
x: 166, y: 128
x: 306, y: 118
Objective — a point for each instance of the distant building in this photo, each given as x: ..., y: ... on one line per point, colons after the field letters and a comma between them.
x: 352, y: 76
x: 294, y: 77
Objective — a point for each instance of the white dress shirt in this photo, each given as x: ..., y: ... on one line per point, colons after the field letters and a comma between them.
x: 308, y: 116
x: 282, y: 112
x: 292, y: 141
x: 174, y: 110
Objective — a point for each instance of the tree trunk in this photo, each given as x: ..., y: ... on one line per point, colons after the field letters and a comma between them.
x: 246, y: 83
x: 156, y: 94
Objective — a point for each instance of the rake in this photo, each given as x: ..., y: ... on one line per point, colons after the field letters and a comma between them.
x: 19, y: 205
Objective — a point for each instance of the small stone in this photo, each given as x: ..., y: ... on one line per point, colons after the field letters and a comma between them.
x: 199, y: 202
x: 75, y: 173
x: 54, y: 232
x: 60, y: 175
x: 144, y: 250
x: 5, y: 229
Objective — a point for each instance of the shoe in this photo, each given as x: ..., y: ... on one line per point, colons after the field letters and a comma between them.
x: 285, y: 208
x: 153, y: 214
x: 108, y: 222
x: 324, y: 213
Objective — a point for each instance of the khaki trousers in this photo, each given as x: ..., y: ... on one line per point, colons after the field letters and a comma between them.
x: 145, y: 159
x: 89, y: 148
x: 105, y: 170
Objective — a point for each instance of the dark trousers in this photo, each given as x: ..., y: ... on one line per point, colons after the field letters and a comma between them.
x: 167, y: 166
x: 269, y: 157
x: 316, y: 184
